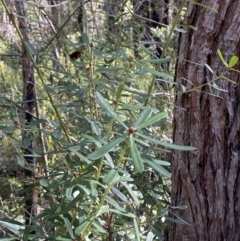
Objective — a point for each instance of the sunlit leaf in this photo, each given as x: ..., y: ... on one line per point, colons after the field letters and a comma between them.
x: 221, y: 57
x: 233, y: 61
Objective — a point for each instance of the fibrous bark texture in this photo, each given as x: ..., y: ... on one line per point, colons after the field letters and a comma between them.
x: 207, y: 180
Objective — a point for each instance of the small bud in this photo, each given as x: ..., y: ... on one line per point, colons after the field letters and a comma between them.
x: 131, y: 130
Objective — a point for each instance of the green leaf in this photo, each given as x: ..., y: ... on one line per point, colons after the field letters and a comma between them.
x: 233, y: 61
x: 136, y: 229
x: 43, y: 183
x: 112, y: 176
x: 101, y: 101
x: 168, y: 145
x: 119, y: 194
x: 137, y: 160
x: 20, y: 160
x: 152, y: 120
x: 30, y: 47
x: 95, y: 128
x: 57, y: 133
x: 145, y: 114
x: 68, y: 226
x: 69, y: 192
x: 221, y: 57
x: 132, y: 194
x: 106, y: 148
x: 99, y: 228
x: 115, y: 204
x: 83, y: 189
x: 157, y: 61
x: 84, y: 38
x: 83, y: 225
x: 102, y: 210
x: 73, y: 150
x: 161, y: 170
x: 157, y: 73
x: 124, y: 213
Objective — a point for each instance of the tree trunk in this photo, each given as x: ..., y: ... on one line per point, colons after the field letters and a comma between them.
x: 29, y: 101
x: 207, y: 180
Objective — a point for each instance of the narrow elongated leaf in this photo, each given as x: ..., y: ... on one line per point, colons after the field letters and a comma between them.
x: 124, y: 213
x: 157, y: 73
x: 85, y: 38
x: 119, y: 194
x: 106, y: 148
x: 69, y: 192
x: 57, y: 133
x: 137, y: 160
x: 68, y: 226
x: 152, y: 120
x: 145, y: 114
x: 157, y: 61
x: 102, y: 210
x: 84, y: 189
x: 136, y: 229
x: 109, y: 160
x: 95, y: 128
x: 161, y: 170
x: 101, y: 101
x: 30, y: 47
x: 111, y: 176
x: 99, y: 228
x: 83, y: 226
x: 168, y: 145
x: 233, y: 61
x: 73, y: 150
x: 115, y: 204
x: 131, y: 192
x: 20, y: 160
x: 221, y: 57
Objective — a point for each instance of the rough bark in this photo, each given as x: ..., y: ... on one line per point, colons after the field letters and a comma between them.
x: 207, y: 180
